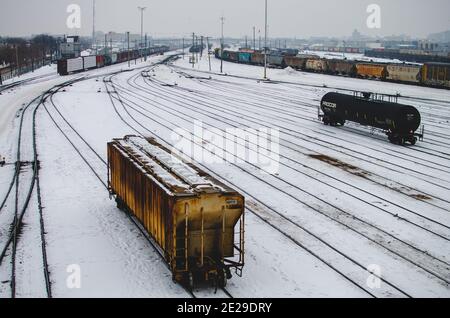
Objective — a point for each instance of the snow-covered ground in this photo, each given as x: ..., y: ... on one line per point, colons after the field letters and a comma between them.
x: 343, y: 204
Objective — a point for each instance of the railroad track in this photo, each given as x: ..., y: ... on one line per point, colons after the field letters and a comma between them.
x: 152, y: 119
x: 309, y: 110
x: 206, y: 169
x: 233, y: 123
x: 16, y: 227
x: 93, y: 169
x: 32, y: 80
x: 259, y: 107
x: 17, y: 224
x: 299, y: 84
x: 258, y: 93
x: 118, y: 98
x: 253, y: 117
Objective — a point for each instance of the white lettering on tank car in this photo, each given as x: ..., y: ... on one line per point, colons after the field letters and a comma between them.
x: 328, y: 104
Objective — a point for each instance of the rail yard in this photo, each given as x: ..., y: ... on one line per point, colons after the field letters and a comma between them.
x: 342, y: 207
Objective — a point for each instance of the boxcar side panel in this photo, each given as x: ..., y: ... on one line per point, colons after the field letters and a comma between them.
x: 142, y: 196
x: 89, y: 62
x: 257, y: 58
x: 371, y: 70
x: 403, y: 73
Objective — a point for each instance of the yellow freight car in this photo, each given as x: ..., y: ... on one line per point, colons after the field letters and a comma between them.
x: 365, y: 70
x: 436, y: 74
x: 196, y: 221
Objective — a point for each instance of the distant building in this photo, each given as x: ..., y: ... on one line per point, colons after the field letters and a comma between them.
x: 428, y: 46
x: 70, y: 47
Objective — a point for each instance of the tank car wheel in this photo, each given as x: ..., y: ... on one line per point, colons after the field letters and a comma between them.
x: 414, y: 141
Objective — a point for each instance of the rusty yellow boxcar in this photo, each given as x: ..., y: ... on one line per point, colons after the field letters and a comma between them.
x: 436, y: 74
x: 365, y: 70
x: 195, y: 220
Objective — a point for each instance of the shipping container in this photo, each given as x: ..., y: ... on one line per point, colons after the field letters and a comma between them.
x: 233, y: 56
x: 114, y: 58
x: 89, y: 62
x: 100, y: 61
x: 74, y: 65
x: 244, y: 57
x: 196, y: 221
x: 62, y: 67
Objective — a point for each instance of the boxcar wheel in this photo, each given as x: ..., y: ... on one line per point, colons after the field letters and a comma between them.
x: 222, y: 278
x: 120, y: 204
x: 190, y: 281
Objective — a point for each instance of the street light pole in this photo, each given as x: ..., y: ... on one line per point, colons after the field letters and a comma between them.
x: 265, y: 45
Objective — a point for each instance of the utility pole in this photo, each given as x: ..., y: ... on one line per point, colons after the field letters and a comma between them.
x: 93, y: 21
x: 201, y: 47
x: 110, y: 43
x: 183, y: 48
x: 193, y: 44
x: 128, y: 39
x: 135, y: 57
x: 259, y: 32
x: 17, y: 60
x: 254, y: 38
x: 145, y: 59
x: 222, y: 19
x: 265, y: 44
x: 106, y: 43
x: 209, y: 55
x: 142, y: 9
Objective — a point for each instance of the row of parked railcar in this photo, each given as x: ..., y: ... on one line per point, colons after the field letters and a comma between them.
x: 81, y: 64
x: 429, y: 74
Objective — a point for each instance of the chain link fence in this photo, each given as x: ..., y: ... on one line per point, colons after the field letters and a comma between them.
x: 10, y: 72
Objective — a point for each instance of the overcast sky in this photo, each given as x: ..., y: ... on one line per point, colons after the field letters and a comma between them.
x: 287, y: 18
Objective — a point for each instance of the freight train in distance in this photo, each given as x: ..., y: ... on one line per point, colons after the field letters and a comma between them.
x: 429, y: 74
x: 399, y: 122
x: 190, y: 216
x: 85, y: 63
